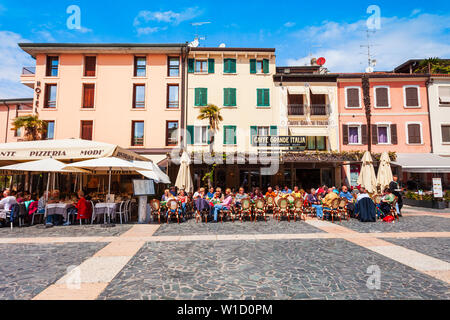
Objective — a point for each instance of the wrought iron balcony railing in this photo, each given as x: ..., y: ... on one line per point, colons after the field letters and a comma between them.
x: 26, y: 71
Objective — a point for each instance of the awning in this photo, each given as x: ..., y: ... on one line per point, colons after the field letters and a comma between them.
x: 309, y: 131
x: 68, y: 149
x: 158, y: 159
x: 423, y: 163
x: 320, y: 90
x: 298, y: 90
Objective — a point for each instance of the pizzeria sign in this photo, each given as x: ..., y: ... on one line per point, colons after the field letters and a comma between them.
x: 279, y: 141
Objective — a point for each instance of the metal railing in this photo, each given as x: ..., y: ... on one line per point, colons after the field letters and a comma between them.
x: 296, y: 110
x: 319, y: 110
x: 28, y: 71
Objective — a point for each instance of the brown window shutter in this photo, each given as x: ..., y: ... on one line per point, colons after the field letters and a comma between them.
x: 394, y: 139
x: 46, y: 95
x: 353, y: 98
x: 345, y: 134
x: 374, y: 134
x: 412, y: 97
x: 382, y: 97
x: 445, y: 133
x: 90, y: 66
x: 414, y: 133
x: 88, y: 100
x: 364, y: 134
x: 86, y: 130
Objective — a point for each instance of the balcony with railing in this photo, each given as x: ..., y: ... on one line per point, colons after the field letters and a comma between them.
x: 28, y: 71
x: 319, y: 110
x: 28, y: 76
x: 296, y: 110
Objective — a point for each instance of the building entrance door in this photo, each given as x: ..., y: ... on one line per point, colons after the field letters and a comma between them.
x: 308, y: 178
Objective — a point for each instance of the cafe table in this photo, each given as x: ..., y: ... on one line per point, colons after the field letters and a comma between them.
x: 58, y: 208
x: 105, y: 208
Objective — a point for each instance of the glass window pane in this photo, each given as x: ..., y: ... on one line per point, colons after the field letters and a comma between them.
x: 382, y: 135
x: 321, y: 143
x: 311, y: 143
x: 204, y: 135
x: 173, y: 96
x: 197, y: 135
x: 140, y: 96
x: 50, y: 130
x: 353, y: 135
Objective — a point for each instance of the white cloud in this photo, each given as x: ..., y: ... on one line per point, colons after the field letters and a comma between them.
x: 149, y: 30
x: 289, y: 24
x: 415, y: 12
x: 13, y: 59
x: 84, y: 30
x: 170, y: 16
x: 44, y: 35
x: 398, y: 40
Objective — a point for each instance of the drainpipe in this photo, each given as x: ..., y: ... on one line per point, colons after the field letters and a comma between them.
x: 184, y: 55
x: 7, y: 122
x: 427, y: 83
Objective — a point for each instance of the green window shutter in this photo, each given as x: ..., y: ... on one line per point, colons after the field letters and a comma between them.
x: 197, y: 96
x: 233, y: 97
x: 253, y: 133
x: 190, y: 135
x: 259, y: 93
x: 229, y: 135
x: 233, y: 66
x: 266, y: 65
x: 191, y: 63
x: 225, y: 128
x: 211, y: 65
x: 273, y: 130
x: 229, y: 66
x: 204, y: 97
x: 234, y: 135
x: 266, y: 101
x: 226, y: 97
x: 253, y: 66
x: 208, y: 137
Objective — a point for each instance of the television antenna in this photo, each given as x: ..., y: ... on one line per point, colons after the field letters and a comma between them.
x: 371, y: 62
x: 198, y: 37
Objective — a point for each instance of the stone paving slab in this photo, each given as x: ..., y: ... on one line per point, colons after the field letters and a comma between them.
x: 26, y: 270
x: 285, y: 269
x: 406, y: 224
x: 435, y: 247
x: 228, y: 228
x: 95, y: 230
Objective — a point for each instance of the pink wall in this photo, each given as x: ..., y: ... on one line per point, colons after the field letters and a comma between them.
x: 6, y: 134
x: 113, y: 113
x: 396, y: 114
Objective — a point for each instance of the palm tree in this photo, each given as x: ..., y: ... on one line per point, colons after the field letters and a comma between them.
x: 433, y: 65
x: 34, y: 128
x: 367, y: 107
x: 211, y: 113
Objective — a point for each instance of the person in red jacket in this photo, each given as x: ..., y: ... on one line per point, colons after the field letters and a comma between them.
x: 84, y: 210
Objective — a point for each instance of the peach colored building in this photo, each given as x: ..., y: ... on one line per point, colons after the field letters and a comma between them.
x: 399, y: 115
x: 9, y: 110
x: 126, y: 94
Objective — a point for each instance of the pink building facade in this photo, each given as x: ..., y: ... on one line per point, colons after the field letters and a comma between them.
x: 9, y: 110
x: 399, y: 116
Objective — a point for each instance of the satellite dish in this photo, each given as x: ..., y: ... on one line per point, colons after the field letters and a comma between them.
x: 222, y: 45
x: 369, y: 69
x: 194, y: 44
x: 321, y: 61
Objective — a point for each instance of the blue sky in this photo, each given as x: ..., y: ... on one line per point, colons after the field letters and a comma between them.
x: 332, y: 29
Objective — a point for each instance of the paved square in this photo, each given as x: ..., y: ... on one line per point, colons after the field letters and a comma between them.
x: 434, y: 247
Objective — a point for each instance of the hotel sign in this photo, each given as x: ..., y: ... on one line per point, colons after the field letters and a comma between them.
x: 279, y: 141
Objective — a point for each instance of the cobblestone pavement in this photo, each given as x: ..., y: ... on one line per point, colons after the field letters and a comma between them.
x: 311, y: 269
x: 26, y: 270
x: 406, y: 224
x: 435, y: 247
x: 64, y: 231
x: 261, y: 227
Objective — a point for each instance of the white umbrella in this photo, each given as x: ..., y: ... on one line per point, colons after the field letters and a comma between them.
x: 367, y: 177
x: 152, y: 172
x: 184, y: 178
x: 106, y: 165
x: 384, y: 177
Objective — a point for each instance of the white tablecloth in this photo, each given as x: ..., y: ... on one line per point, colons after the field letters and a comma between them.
x: 59, y: 209
x: 105, y: 208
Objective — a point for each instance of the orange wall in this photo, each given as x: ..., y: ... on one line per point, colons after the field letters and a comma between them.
x: 396, y: 114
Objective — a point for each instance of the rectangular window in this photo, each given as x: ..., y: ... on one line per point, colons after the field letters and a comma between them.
x: 50, y: 96
x: 88, y: 95
x: 263, y: 97
x: 18, y: 132
x: 174, y: 67
x: 138, y: 96
x: 52, y: 66
x: 200, y: 135
x: 321, y: 143
x: 353, y: 98
x: 229, y: 65
x: 171, y: 133
x: 383, y: 134
x: 50, y: 132
x: 353, y: 135
x: 381, y: 97
x: 445, y: 133
x: 201, y: 97
x: 414, y: 136
x: 229, y: 97
x: 444, y: 95
x: 412, y: 96
x: 172, y: 96
x: 137, y: 133
x: 259, y: 66
x: 263, y: 131
x: 229, y: 135
x: 90, y: 65
x: 140, y: 66
x: 86, y: 129
x: 201, y: 66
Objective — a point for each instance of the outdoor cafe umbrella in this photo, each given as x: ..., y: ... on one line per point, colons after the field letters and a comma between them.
x: 152, y: 172
x: 184, y: 178
x: 384, y: 177
x: 108, y: 165
x: 367, y: 177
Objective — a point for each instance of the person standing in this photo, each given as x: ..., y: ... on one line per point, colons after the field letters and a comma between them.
x: 395, y: 189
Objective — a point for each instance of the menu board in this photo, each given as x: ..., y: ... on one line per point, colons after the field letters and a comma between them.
x: 143, y: 188
x: 437, y: 188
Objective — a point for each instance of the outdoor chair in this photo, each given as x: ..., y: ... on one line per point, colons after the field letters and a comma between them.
x: 393, y: 209
x: 173, y: 209
x: 121, y: 211
x: 270, y: 205
x: 260, y: 209
x: 332, y: 210
x: 246, y: 209
x: 93, y: 217
x: 283, y: 208
x: 298, y: 209
x: 155, y: 207
x: 127, y: 211
x: 342, y: 208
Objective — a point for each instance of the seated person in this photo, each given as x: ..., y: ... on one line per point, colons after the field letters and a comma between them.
x: 217, y: 197
x: 183, y: 199
x: 270, y: 193
x: 240, y: 195
x: 286, y: 191
x: 362, y: 194
x: 257, y: 194
x: 329, y: 198
x: 82, y: 208
x: 277, y: 190
x: 211, y: 193
x: 225, y: 205
x: 315, y: 203
x: 56, y: 218
x: 167, y: 196
x: 296, y: 193
x: 350, y: 204
x: 386, y: 202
